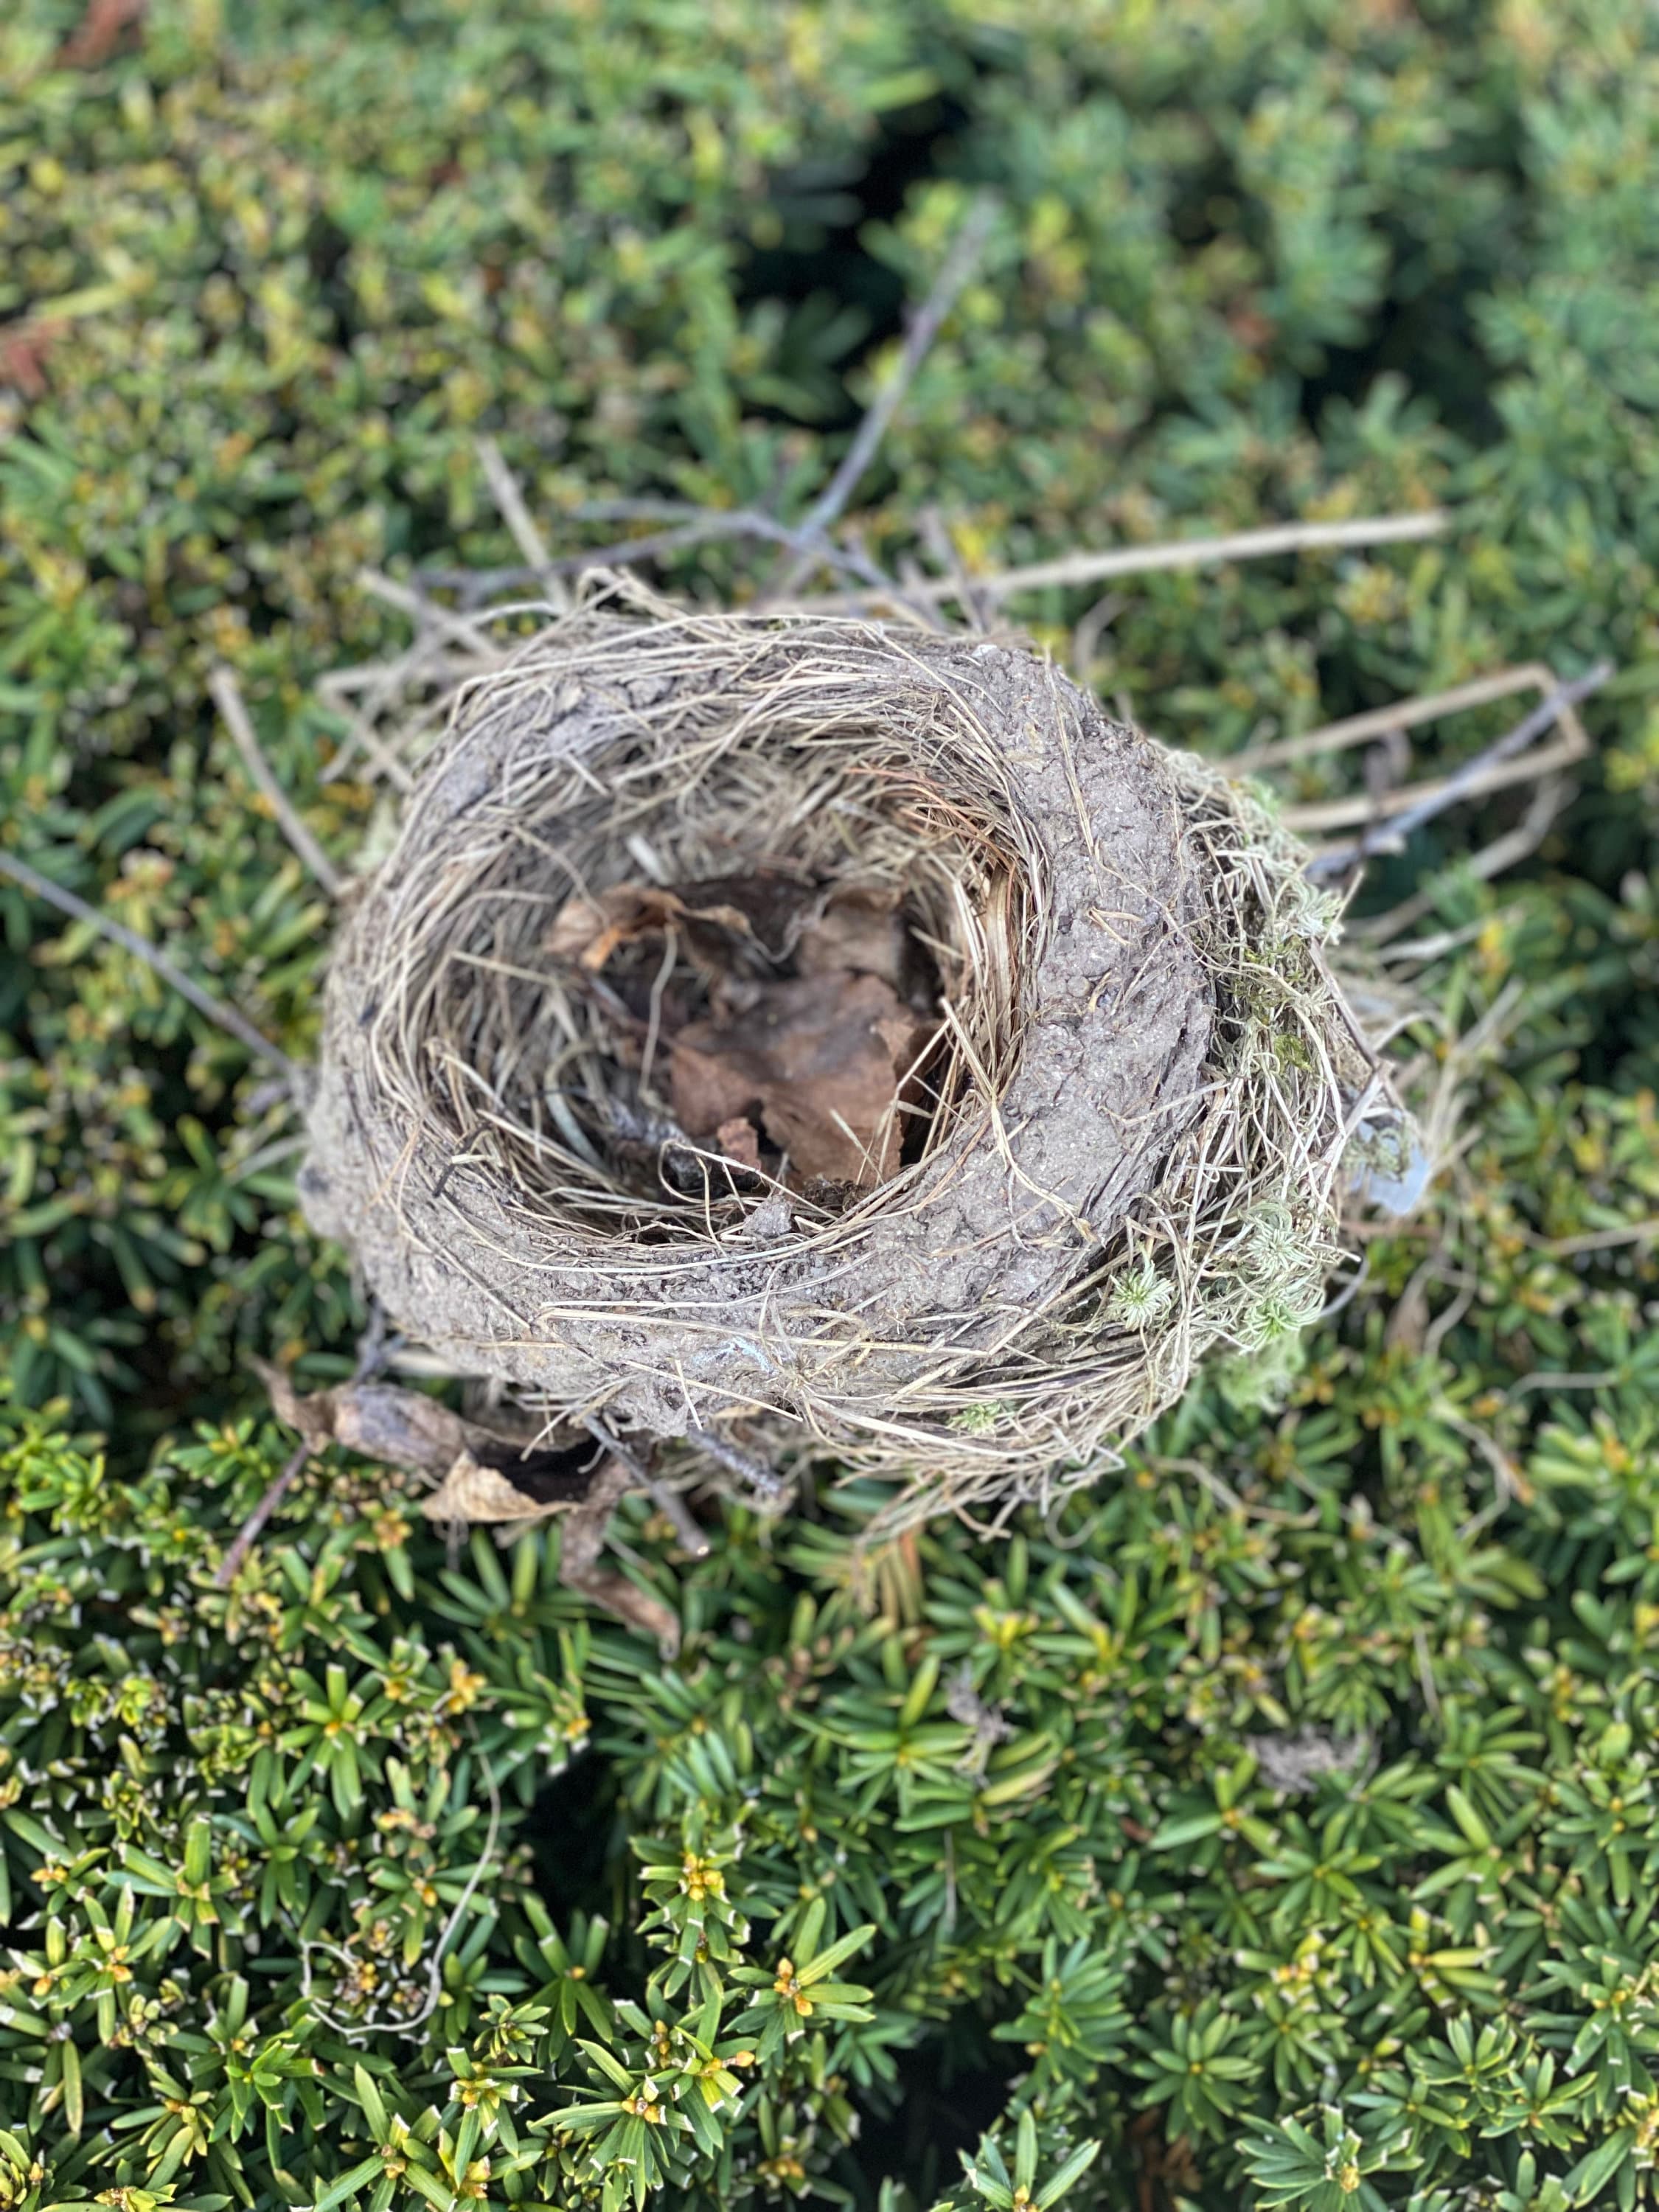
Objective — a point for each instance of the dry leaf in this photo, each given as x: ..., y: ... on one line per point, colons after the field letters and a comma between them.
x: 23, y: 350
x: 101, y: 32
x: 404, y: 1428
x: 820, y: 1060
x: 737, y: 1140
x: 407, y: 1429
x: 469, y: 1492
x: 589, y: 930
x: 860, y: 928
x: 776, y: 907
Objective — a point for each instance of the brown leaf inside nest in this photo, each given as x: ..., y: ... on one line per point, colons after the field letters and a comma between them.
x: 858, y: 928
x: 818, y: 1060
x: 806, y: 1038
x: 737, y: 1140
x: 589, y: 930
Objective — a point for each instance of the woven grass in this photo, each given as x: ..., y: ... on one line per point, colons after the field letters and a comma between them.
x: 1124, y: 1139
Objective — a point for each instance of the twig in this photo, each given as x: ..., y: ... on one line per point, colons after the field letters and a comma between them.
x: 956, y: 268
x: 688, y: 526
x: 504, y: 490
x: 1601, y: 1240
x: 1400, y: 714
x: 227, y: 698
x: 1461, y: 783
x: 1537, y: 1382
x: 1379, y: 811
x: 375, y: 1350
x: 1185, y: 553
x: 226, y: 1017
x: 376, y: 1347
x: 478, y: 583
x: 765, y: 1481
x: 247, y: 1535
x: 421, y: 611
x: 509, y: 500
x: 674, y: 1509
x: 1379, y: 929
x: 990, y: 1726
x: 942, y: 551
x: 691, y: 524
x: 382, y: 2024
x: 1426, y: 1672
x: 1086, y: 633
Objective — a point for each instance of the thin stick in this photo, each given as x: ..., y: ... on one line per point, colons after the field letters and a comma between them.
x: 699, y: 525
x: 420, y: 610
x: 227, y: 698
x: 1491, y: 860
x: 504, y: 490
x: 247, y: 1535
x: 957, y: 267
x: 1602, y: 1382
x: 204, y: 1001
x: 674, y: 1509
x: 765, y: 1481
x: 1602, y: 1240
x: 1381, y: 811
x: 375, y: 1350
x: 521, y: 527
x: 1463, y: 781
x: 373, y: 2023
x: 696, y: 530
x: 1401, y: 714
x: 693, y: 525
x: 1179, y: 553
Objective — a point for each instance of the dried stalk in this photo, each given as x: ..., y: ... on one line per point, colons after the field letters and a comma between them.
x: 1402, y: 714
x: 248, y: 1534
x: 228, y: 697
x: 1490, y: 769
x: 958, y: 266
x: 1179, y: 553
x: 214, y: 1010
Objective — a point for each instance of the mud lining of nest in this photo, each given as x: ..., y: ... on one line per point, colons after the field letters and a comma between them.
x: 1121, y: 1087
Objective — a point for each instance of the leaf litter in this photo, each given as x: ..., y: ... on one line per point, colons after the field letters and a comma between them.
x: 784, y: 1025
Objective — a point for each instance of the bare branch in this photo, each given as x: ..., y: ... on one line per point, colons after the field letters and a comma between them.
x: 225, y: 1575
x: 425, y: 611
x: 694, y: 526
x: 509, y: 500
x: 226, y: 1017
x: 228, y: 697
x: 1504, y: 851
x: 1182, y: 553
x: 1603, y: 1240
x: 1381, y: 811
x: 958, y: 266
x: 672, y: 1507
x: 504, y: 490
x: 762, y: 1479
x: 1475, y: 774
x: 1401, y: 714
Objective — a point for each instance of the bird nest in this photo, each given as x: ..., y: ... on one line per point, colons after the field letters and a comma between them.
x: 794, y: 1028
